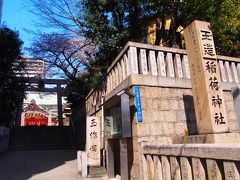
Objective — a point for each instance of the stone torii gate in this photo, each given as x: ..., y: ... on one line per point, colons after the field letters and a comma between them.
x: 39, y: 84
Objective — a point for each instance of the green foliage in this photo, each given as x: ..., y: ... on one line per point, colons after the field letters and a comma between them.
x: 108, y: 34
x: 226, y: 28
x: 224, y: 16
x: 11, y: 87
x: 78, y: 89
x: 110, y: 24
x: 63, y: 54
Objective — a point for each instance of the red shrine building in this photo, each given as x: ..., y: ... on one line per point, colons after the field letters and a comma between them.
x: 33, y: 115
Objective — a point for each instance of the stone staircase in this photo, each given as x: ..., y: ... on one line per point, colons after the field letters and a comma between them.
x: 40, y: 138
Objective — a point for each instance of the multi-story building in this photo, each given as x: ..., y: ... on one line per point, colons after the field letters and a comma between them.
x: 34, y: 67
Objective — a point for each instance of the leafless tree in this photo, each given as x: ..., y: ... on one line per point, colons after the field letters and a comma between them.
x: 63, y: 14
x: 63, y: 52
x: 67, y: 49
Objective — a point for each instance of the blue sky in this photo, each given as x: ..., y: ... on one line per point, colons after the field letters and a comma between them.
x: 16, y: 16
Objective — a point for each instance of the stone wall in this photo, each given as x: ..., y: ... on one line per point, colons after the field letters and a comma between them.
x: 163, y: 76
x: 232, y: 119
x: 168, y: 112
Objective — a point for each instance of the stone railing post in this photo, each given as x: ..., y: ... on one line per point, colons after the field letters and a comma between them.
x: 143, y: 171
x: 222, y: 71
x: 161, y: 64
x: 143, y: 61
x: 133, y: 60
x: 175, y: 169
x: 123, y: 67
x: 152, y: 63
x: 157, y: 167
x: 170, y: 66
x: 213, y: 170
x: 178, y: 66
x: 166, y: 168
x: 236, y: 101
x: 150, y: 167
x: 198, y: 169
x: 234, y: 70
x: 185, y: 66
x: 186, y: 168
x: 231, y: 170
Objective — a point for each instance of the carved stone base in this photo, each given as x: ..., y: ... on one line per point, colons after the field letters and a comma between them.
x: 96, y: 171
x: 223, y: 138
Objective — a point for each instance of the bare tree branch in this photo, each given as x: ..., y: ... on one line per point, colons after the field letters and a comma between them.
x: 64, y: 52
x: 61, y: 14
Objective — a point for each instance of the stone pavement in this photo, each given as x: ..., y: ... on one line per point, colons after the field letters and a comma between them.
x: 40, y: 165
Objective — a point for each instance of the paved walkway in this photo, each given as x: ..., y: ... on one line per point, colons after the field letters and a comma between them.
x: 39, y: 165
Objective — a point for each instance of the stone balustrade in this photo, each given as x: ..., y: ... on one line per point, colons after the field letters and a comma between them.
x: 150, y: 65
x: 189, y: 161
x: 145, y: 59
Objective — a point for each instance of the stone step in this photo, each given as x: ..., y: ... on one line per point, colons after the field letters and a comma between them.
x: 21, y: 148
x: 40, y: 138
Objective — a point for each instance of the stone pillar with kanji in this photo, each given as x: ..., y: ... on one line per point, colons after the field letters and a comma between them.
x: 207, y: 89
x: 93, y: 141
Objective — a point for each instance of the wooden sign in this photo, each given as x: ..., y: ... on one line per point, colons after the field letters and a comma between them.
x: 205, y: 76
x: 93, y: 141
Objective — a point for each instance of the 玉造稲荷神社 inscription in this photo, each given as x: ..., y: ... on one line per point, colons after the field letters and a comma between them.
x: 205, y: 77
